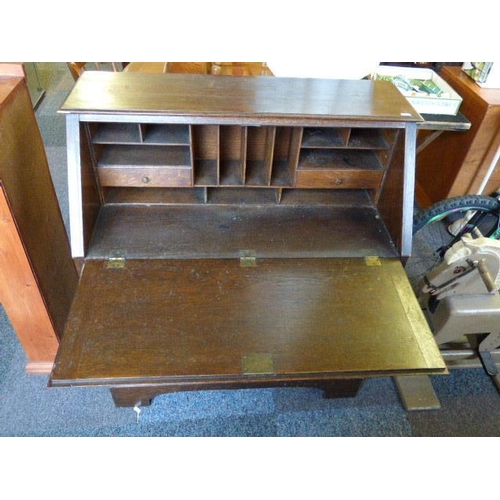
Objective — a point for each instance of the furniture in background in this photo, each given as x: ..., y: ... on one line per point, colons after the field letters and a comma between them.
x: 38, y: 276
x: 202, y: 68
x: 77, y: 68
x: 466, y: 163
x: 214, y: 68
x: 252, y: 238
x: 241, y: 69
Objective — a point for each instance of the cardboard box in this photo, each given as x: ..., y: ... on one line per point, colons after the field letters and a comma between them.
x: 446, y: 102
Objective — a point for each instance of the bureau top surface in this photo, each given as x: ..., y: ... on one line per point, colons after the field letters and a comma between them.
x: 267, y: 98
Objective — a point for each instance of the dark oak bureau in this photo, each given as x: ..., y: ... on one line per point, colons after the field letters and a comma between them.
x: 240, y: 232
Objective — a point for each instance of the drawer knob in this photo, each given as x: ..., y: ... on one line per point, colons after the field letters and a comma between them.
x: 145, y: 179
x: 338, y: 182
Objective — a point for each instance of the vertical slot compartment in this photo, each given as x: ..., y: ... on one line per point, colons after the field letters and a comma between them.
x: 205, y: 147
x: 260, y: 146
x: 286, y: 156
x: 232, y: 147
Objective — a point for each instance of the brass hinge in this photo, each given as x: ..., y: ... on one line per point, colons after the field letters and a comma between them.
x: 116, y: 261
x: 258, y: 364
x: 248, y: 258
x: 373, y: 260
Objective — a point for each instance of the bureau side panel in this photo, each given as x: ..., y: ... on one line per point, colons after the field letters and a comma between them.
x: 396, y: 198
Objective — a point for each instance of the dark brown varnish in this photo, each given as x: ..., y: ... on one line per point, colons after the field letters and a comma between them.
x: 168, y: 320
x: 261, y: 222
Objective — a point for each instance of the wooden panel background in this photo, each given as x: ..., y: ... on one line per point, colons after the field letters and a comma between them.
x: 36, y: 254
x: 21, y: 296
x: 26, y: 178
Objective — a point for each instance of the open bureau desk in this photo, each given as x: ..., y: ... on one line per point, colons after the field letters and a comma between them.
x: 240, y: 232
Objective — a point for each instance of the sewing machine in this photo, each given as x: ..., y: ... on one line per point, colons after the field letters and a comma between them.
x: 461, y: 297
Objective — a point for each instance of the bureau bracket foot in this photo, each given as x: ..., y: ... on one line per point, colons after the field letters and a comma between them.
x: 133, y: 396
x: 340, y: 388
x: 143, y: 395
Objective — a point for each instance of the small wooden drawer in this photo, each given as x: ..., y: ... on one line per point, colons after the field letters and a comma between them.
x: 339, y: 179
x: 145, y: 176
x: 145, y: 166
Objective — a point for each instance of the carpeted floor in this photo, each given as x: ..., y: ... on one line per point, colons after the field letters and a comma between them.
x: 470, y: 402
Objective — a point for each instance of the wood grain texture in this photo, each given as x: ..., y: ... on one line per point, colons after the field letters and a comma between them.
x: 339, y: 179
x: 224, y: 230
x: 146, y: 176
x: 20, y: 294
x: 26, y: 179
x: 390, y: 199
x: 180, y: 320
x: 239, y: 99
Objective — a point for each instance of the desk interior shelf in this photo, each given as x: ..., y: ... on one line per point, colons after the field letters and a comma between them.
x: 156, y: 155
x: 134, y: 154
